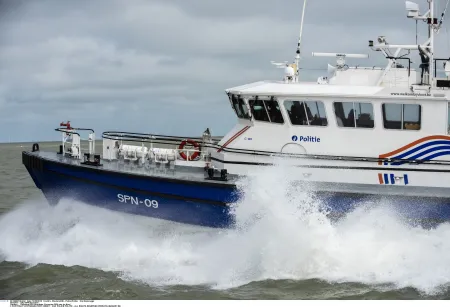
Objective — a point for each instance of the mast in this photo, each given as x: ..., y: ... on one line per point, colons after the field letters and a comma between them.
x: 426, y: 49
x: 297, y: 56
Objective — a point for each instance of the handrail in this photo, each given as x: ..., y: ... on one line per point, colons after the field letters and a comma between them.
x: 66, y: 131
x: 112, y: 135
x: 84, y: 129
x: 75, y: 142
x: 74, y: 129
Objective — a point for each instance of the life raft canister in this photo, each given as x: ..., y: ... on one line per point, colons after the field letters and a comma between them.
x: 193, y: 155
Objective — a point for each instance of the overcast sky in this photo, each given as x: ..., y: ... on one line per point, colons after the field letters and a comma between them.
x: 161, y: 66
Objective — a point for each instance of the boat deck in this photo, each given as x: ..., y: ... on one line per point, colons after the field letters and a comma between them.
x: 194, y: 173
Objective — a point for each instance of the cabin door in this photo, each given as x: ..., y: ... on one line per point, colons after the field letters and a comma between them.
x: 448, y: 118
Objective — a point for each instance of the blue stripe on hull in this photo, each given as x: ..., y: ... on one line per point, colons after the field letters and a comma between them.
x: 179, y: 210
x: 416, y: 208
x: 149, y: 184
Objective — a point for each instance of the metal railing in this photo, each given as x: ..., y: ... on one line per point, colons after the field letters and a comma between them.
x: 174, y: 140
x: 167, y: 141
x: 75, y: 143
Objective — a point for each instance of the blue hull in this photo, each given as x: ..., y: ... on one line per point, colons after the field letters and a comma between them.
x: 199, y: 202
x: 414, y: 210
x: 179, y: 201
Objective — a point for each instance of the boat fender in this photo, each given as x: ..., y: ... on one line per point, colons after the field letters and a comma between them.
x: 194, y: 155
x: 223, y: 174
x: 35, y: 147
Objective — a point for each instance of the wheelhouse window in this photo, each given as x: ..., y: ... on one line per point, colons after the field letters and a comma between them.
x: 240, y: 107
x: 306, y: 113
x: 402, y: 116
x: 354, y: 114
x: 259, y: 110
x: 266, y: 110
x: 273, y: 108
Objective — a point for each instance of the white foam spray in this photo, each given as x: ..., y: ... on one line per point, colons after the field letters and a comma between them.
x: 281, y: 234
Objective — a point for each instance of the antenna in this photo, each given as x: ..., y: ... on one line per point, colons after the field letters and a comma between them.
x: 442, y: 17
x: 297, y: 56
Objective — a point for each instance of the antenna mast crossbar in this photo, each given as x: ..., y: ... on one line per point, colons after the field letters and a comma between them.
x: 344, y: 55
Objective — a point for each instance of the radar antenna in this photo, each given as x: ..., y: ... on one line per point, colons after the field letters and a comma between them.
x: 340, y: 58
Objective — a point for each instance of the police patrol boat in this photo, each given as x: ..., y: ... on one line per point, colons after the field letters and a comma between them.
x: 359, y: 133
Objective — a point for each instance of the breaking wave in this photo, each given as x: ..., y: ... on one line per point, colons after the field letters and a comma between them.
x: 281, y: 234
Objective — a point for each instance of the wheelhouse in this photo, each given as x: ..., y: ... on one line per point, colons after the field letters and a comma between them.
x: 346, y: 119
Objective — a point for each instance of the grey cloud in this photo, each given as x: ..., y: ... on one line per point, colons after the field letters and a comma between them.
x: 164, y: 65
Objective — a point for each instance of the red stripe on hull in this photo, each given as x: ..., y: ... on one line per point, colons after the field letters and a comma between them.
x: 238, y: 134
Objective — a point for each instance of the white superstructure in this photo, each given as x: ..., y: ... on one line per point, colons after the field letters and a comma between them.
x: 357, y: 125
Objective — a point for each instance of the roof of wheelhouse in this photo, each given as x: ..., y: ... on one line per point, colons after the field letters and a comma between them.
x: 280, y: 88
x: 312, y: 89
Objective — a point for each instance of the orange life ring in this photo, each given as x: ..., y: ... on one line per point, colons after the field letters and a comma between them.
x: 194, y: 155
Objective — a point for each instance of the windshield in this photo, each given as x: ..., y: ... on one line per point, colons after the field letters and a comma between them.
x: 240, y: 107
